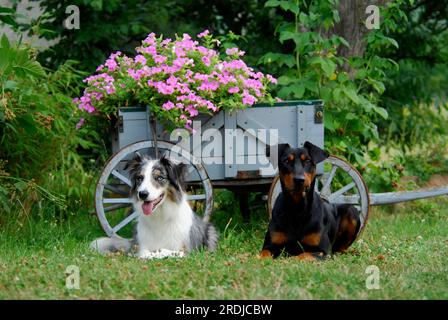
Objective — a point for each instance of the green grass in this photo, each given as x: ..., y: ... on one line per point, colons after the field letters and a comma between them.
x: 408, y: 245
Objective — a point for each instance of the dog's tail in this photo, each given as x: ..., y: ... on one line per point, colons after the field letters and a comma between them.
x: 106, y: 245
x: 211, y: 237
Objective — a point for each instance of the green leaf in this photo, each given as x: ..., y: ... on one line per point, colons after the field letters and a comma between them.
x: 21, y: 185
x: 284, y: 93
x: 10, y: 85
x: 6, y: 10
x: 298, y: 91
x: 329, y: 122
x: 6, y: 55
x: 286, y: 80
x: 326, y: 65
x: 337, y: 94
x: 9, y: 20
x: 285, y: 5
x: 381, y: 111
x: 392, y: 42
x: 290, y: 6
x: 286, y: 35
x: 352, y: 94
x: 5, y: 42
x: 312, y: 86
x: 279, y: 58
x: 377, y: 85
x: 25, y: 66
x: 350, y: 116
x: 272, y: 3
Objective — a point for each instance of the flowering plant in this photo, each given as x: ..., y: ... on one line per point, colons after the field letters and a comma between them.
x: 178, y: 79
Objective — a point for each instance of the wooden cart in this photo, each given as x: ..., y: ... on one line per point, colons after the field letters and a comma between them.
x: 241, y: 167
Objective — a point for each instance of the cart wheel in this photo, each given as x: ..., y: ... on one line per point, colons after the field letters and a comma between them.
x: 112, y: 202
x: 340, y: 183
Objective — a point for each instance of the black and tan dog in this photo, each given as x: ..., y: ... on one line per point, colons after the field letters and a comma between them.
x: 303, y: 224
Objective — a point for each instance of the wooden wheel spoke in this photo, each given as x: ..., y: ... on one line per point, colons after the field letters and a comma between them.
x: 121, y: 177
x: 191, y: 169
x: 348, y: 199
x: 326, y: 189
x: 341, y: 191
x: 116, y: 207
x: 196, y: 197
x: 125, y: 221
x: 116, y: 190
x: 117, y: 200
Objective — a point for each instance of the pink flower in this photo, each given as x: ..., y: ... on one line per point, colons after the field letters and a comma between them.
x: 206, y: 85
x: 234, y: 51
x: 203, y: 34
x: 80, y: 123
x: 234, y: 89
x: 252, y: 84
x: 168, y: 105
x: 152, y: 50
x: 150, y: 39
x: 192, y: 110
x: 172, y: 81
x: 165, y: 42
x: 159, y: 59
x: 231, y: 51
x: 164, y: 71
x: 206, y: 61
x: 248, y: 99
x: 140, y: 59
x: 110, y: 63
x: 271, y: 79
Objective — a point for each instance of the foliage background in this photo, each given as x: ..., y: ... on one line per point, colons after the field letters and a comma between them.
x: 385, y: 103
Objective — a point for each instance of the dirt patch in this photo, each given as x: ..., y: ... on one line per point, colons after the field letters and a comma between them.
x: 437, y: 180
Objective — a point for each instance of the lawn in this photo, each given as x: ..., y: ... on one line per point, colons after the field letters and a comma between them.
x: 408, y: 244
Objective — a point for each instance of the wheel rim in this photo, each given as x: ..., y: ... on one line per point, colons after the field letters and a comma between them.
x: 112, y: 189
x: 350, y: 189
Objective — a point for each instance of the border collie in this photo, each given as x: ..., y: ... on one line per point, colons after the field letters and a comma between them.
x: 166, y: 226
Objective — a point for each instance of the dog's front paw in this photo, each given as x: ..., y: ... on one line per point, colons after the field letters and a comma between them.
x: 265, y: 254
x: 161, y: 254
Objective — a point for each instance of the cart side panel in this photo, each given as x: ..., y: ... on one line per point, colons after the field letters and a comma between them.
x: 133, y: 126
x: 294, y: 124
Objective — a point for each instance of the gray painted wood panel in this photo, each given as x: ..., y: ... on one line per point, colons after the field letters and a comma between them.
x: 294, y: 122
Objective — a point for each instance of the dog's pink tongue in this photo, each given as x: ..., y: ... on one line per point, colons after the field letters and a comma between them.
x: 147, y: 207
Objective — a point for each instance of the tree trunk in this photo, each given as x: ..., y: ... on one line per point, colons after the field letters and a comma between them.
x: 352, y: 25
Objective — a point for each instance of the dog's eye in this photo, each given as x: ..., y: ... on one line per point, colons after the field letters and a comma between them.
x: 160, y: 178
x: 139, y: 178
x: 307, y: 161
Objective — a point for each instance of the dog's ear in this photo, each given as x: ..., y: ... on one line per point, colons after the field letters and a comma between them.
x: 175, y: 171
x: 273, y: 153
x: 134, y: 163
x: 280, y: 148
x: 317, y: 154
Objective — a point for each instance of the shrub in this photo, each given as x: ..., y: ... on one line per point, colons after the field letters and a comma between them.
x: 39, y: 165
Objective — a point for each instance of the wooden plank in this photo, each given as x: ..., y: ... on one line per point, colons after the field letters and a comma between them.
x: 229, y: 142
x: 301, y: 126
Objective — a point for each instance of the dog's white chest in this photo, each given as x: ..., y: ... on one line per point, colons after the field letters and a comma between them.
x: 168, y: 228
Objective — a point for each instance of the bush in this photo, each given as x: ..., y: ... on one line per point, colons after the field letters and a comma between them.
x: 39, y: 164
